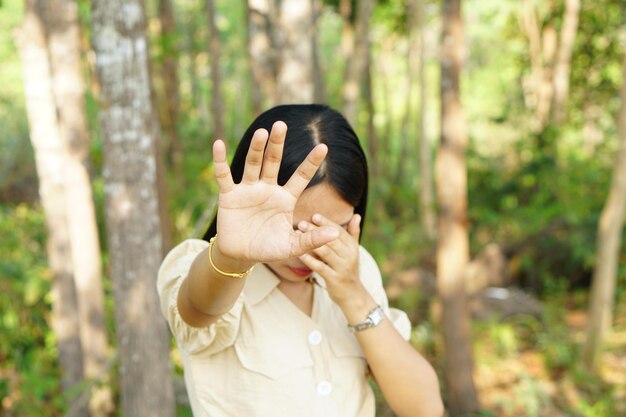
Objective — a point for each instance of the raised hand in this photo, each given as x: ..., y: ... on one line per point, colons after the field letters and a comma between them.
x: 255, y: 217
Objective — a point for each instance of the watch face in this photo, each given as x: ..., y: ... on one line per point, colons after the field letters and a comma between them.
x: 377, y: 316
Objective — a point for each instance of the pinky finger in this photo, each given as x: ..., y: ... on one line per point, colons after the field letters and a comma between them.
x: 220, y: 165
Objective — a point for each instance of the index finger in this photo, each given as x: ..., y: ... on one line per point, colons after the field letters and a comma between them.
x: 307, y: 169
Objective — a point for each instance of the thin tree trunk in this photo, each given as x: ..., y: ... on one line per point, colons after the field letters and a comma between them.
x: 216, y: 76
x: 256, y: 95
x: 169, y: 73
x: 602, y: 299
x: 130, y: 135
x: 564, y: 60
x: 68, y: 85
x: 355, y: 67
x: 295, y: 70
x: 160, y: 149
x: 383, y: 67
x: 319, y: 91
x: 262, y: 47
x: 372, y: 137
x: 426, y: 193
x: 412, y: 68
x: 347, y: 34
x: 453, y: 244
x: 50, y: 159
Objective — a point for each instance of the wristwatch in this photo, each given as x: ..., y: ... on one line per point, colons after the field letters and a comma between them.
x: 374, y: 318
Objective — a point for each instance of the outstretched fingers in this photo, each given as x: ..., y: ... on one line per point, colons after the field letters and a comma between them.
x: 254, y: 158
x: 220, y: 165
x: 307, y: 169
x: 274, y: 153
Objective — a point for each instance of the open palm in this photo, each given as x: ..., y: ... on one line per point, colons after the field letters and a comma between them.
x: 254, y: 218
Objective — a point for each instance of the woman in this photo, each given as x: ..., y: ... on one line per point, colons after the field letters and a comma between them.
x: 281, y: 312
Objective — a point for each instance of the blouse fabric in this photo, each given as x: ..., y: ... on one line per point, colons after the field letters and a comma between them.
x: 265, y: 357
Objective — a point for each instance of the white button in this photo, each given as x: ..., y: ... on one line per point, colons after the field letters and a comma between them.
x: 324, y: 388
x: 315, y: 337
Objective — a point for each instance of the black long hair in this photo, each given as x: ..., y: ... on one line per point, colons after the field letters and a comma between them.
x: 345, y: 166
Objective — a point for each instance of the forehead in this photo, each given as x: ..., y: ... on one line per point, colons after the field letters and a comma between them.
x: 325, y: 200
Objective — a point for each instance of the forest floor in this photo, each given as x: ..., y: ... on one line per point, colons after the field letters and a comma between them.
x: 544, y: 378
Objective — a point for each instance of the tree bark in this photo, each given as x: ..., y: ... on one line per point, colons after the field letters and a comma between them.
x: 64, y: 47
x: 602, y: 298
x: 50, y: 159
x: 412, y: 68
x: 130, y: 134
x: 550, y: 58
x: 453, y: 244
x: 372, y: 136
x: 564, y: 60
x: 542, y: 49
x: 256, y: 95
x: 355, y: 66
x: 295, y: 77
x: 319, y: 85
x: 263, y: 48
x: 216, y: 76
x: 426, y: 193
x: 169, y: 73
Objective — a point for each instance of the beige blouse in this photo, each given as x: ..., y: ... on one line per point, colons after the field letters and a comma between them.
x: 265, y: 357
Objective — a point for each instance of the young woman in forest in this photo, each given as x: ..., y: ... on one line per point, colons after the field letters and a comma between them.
x: 279, y: 311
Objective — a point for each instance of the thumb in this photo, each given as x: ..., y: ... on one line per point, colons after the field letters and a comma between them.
x: 306, y: 242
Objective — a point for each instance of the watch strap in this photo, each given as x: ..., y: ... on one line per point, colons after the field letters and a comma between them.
x: 374, y: 318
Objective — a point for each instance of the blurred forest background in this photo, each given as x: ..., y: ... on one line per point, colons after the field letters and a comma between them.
x: 488, y: 231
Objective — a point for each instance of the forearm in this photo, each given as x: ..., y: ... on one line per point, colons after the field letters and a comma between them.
x: 408, y: 382
x: 206, y: 295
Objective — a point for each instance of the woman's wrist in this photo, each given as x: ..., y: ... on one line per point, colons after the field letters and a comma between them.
x: 357, y: 306
x: 223, y: 262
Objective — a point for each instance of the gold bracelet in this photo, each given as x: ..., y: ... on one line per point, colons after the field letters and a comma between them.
x: 238, y: 275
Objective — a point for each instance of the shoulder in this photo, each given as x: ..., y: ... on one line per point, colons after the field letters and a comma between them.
x: 369, y: 271
x: 178, y: 260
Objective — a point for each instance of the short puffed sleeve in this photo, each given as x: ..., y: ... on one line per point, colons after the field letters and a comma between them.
x: 172, y: 273
x: 372, y: 280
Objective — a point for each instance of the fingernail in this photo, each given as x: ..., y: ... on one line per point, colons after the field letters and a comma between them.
x: 303, y: 225
x: 317, y: 218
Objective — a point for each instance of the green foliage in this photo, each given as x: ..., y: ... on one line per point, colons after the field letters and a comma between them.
x: 27, y: 345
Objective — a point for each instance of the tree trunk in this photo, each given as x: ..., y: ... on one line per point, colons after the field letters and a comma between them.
x: 347, y: 34
x: 426, y: 193
x: 319, y: 86
x: 542, y: 49
x: 169, y: 73
x: 64, y: 47
x: 256, y: 95
x: 295, y: 78
x: 453, y: 244
x: 412, y: 68
x: 50, y: 159
x: 130, y: 136
x: 355, y: 66
x: 262, y: 47
x: 216, y: 84
x: 602, y: 299
x: 564, y: 60
x: 550, y: 58
x: 372, y: 137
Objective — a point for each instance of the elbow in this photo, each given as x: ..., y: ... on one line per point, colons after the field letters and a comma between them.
x: 433, y: 408
x: 438, y: 409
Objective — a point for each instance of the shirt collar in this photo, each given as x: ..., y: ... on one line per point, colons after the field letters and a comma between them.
x: 262, y: 281
x: 260, y: 284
